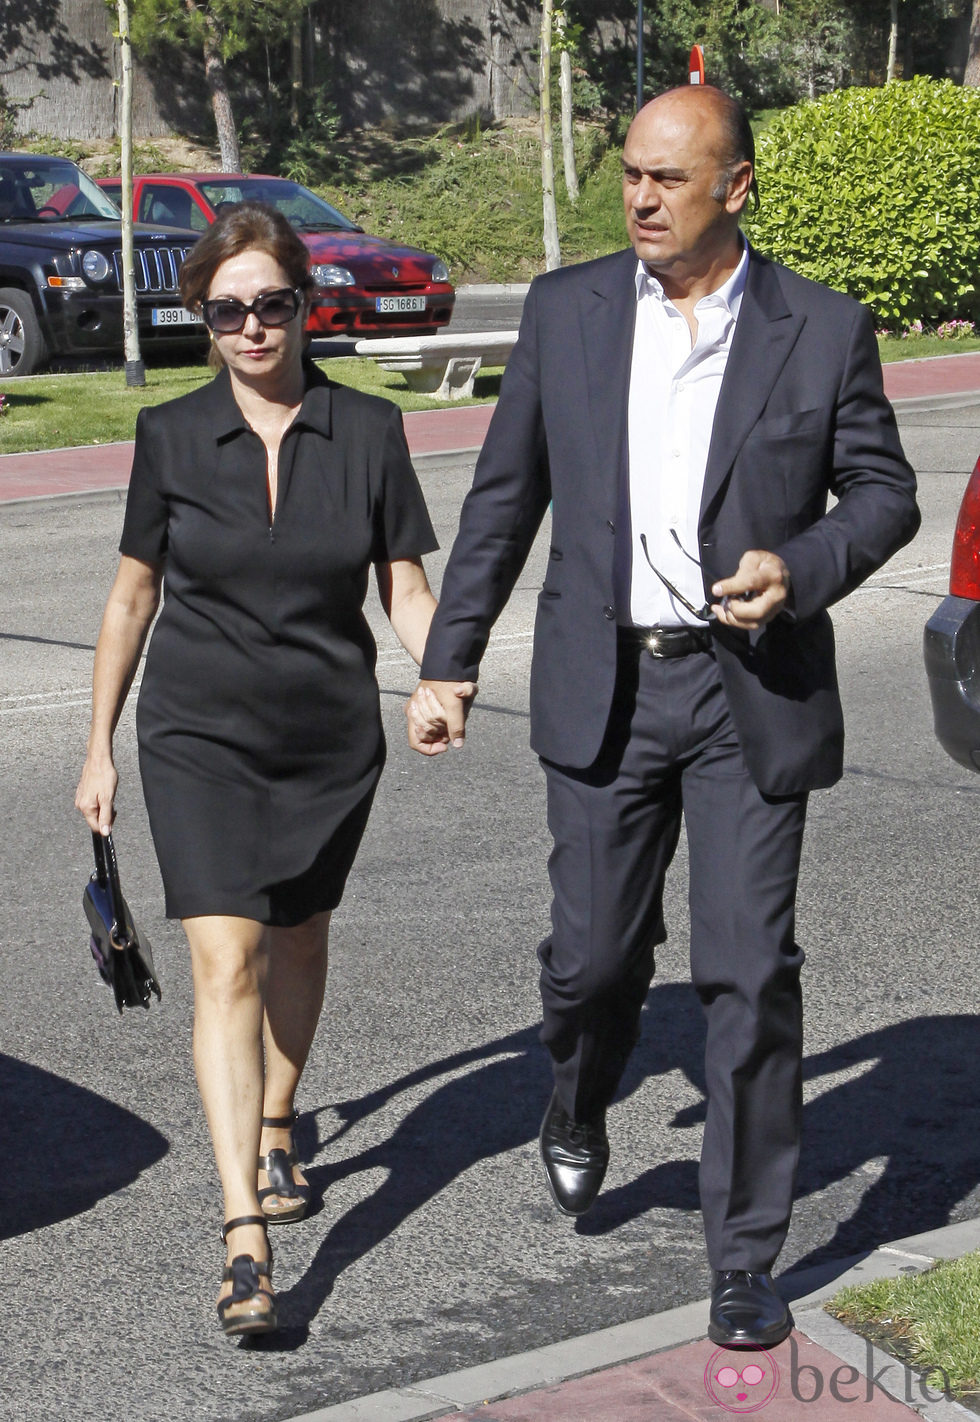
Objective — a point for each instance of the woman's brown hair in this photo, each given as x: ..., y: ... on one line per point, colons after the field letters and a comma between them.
x: 243, y: 227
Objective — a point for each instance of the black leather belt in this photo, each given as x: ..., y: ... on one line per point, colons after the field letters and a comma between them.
x: 662, y: 642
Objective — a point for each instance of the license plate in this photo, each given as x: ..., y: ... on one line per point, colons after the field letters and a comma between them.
x: 387, y: 304
x: 173, y: 316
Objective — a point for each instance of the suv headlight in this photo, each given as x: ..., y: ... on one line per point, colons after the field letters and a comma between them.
x: 95, y: 265
x: 440, y: 272
x: 325, y: 274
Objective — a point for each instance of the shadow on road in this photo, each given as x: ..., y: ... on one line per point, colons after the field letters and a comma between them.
x: 909, y: 1106
x: 66, y: 1148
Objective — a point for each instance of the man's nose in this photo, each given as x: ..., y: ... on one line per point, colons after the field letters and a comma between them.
x: 646, y: 195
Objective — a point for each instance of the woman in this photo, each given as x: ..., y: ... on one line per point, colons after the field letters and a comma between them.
x: 258, y: 502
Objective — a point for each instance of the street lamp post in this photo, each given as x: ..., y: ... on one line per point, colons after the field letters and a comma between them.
x: 639, y: 55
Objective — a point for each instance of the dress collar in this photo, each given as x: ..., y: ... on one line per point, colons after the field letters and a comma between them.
x: 315, y: 412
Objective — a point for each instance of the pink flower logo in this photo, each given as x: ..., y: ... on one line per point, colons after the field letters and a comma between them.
x: 741, y: 1382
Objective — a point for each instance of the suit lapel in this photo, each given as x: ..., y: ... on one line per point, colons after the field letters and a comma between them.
x: 607, y: 314
x: 765, y: 333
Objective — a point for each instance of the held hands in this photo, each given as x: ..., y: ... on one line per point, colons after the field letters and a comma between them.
x: 755, y: 594
x: 436, y: 715
x: 96, y: 794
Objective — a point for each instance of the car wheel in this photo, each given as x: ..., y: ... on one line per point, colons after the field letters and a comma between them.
x: 22, y: 347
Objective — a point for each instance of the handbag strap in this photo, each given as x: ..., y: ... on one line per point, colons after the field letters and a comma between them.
x: 107, y: 873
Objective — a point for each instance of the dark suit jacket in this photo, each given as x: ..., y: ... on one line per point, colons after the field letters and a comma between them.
x: 801, y: 415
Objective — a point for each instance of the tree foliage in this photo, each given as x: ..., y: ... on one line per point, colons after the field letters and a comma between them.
x: 877, y: 193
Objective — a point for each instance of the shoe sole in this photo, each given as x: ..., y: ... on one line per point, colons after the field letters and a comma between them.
x: 248, y: 1327
x: 287, y: 1216
x: 743, y: 1340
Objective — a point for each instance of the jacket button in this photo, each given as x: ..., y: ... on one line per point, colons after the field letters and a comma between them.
x: 610, y: 525
x: 609, y: 613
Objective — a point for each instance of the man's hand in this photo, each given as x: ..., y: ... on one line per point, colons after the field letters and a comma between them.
x: 436, y: 715
x: 755, y: 594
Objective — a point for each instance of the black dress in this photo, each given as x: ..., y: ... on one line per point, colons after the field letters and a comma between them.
x: 259, y: 720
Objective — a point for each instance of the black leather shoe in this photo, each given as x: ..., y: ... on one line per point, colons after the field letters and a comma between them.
x: 575, y: 1155
x: 746, y: 1311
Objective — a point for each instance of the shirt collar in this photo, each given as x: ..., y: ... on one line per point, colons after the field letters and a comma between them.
x: 314, y: 413
x: 728, y: 295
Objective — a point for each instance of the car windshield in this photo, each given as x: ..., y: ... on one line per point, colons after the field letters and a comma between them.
x: 49, y: 189
x: 303, y: 208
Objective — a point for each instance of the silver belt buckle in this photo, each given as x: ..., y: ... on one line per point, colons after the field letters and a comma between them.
x: 655, y: 642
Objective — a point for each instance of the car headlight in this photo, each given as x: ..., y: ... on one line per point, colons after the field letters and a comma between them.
x: 95, y: 265
x: 440, y: 272
x: 325, y: 274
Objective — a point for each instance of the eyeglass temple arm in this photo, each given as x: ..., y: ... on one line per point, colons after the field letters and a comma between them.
x: 674, y: 592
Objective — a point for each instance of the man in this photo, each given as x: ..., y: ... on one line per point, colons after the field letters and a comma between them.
x: 687, y: 406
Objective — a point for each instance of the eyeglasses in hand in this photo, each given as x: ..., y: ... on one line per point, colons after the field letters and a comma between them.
x: 703, y: 614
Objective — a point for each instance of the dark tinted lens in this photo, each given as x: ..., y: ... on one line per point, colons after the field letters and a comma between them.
x: 273, y: 308
x: 225, y: 316
x: 276, y: 308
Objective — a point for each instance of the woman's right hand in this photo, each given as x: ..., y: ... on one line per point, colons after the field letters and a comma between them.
x: 96, y: 794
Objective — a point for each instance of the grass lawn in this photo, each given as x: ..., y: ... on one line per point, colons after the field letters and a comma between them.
x: 921, y: 347
x: 53, y: 411
x: 930, y: 1321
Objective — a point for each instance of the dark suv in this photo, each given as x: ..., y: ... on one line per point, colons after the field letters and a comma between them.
x: 61, y: 269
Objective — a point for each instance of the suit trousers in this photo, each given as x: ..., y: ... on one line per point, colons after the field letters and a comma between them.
x: 671, y: 750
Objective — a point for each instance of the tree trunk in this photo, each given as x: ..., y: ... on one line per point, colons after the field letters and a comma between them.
x: 971, y: 74
x: 567, y: 134
x: 296, y: 69
x: 214, y: 72
x: 135, y: 370
x: 552, y: 250
x: 892, y: 41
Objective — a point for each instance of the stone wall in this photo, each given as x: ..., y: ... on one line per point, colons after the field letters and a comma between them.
x: 411, y: 61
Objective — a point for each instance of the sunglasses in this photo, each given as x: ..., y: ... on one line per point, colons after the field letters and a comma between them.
x: 226, y: 316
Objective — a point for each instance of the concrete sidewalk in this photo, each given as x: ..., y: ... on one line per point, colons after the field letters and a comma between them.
x: 444, y: 431
x: 663, y: 1369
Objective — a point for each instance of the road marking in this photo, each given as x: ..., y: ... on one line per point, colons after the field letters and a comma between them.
x: 908, y: 572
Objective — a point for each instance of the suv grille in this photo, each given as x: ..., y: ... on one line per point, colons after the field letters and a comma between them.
x: 156, y: 268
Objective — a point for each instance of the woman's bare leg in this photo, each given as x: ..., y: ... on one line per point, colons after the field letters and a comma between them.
x: 229, y: 960
x: 294, y: 989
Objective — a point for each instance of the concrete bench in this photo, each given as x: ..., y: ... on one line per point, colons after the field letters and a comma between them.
x: 443, y: 366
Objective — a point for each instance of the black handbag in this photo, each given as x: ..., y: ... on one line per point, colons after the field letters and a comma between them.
x: 122, y: 955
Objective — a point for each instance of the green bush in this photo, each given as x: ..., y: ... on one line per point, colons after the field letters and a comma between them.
x: 877, y: 193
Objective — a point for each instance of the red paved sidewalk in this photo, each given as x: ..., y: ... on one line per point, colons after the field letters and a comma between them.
x: 94, y: 468
x: 701, y: 1383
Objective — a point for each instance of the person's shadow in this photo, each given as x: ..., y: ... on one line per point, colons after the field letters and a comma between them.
x: 67, y: 1148
x: 911, y: 1113
x: 493, y: 1108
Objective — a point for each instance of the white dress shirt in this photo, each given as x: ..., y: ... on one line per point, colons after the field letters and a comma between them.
x: 674, y: 390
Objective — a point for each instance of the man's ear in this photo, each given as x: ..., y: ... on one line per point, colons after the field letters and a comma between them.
x: 739, y: 187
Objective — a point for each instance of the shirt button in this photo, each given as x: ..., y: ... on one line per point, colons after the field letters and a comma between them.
x: 609, y: 613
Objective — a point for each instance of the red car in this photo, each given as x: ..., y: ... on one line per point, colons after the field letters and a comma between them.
x: 952, y: 640
x: 366, y: 285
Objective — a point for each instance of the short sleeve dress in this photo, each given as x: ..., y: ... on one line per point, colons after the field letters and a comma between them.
x: 258, y: 721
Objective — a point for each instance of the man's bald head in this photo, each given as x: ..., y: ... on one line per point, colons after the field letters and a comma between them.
x: 733, y: 142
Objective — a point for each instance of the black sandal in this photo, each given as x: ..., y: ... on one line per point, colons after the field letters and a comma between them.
x: 246, y: 1275
x: 278, y: 1165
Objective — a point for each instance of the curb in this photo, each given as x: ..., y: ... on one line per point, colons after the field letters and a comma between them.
x: 625, y: 1342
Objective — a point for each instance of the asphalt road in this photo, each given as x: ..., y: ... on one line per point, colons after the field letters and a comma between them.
x: 436, y: 1245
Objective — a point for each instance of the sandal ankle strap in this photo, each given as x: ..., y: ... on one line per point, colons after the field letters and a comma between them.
x: 229, y: 1225
x: 281, y: 1123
